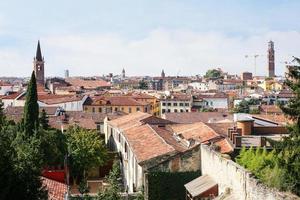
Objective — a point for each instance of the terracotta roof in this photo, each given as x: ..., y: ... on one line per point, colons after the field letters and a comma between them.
x: 179, y: 97
x: 15, y: 113
x: 56, y: 99
x: 192, y: 117
x: 13, y: 95
x: 87, y: 84
x: 41, y: 90
x: 270, y: 109
x: 198, y: 131
x: 139, y: 95
x: 129, y: 121
x: 56, y: 190
x: 278, y: 118
x: 2, y: 83
x: 285, y: 94
x: 202, y: 133
x: 68, y: 88
x: 82, y: 119
x: 115, y: 101
x: 20, y: 109
x: 219, y: 95
x: 146, y: 143
x: 220, y: 128
x: 168, y: 137
x: 136, y: 119
x: 232, y: 81
x: 225, y: 145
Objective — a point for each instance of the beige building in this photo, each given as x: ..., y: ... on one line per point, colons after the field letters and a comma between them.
x: 101, y: 104
x: 147, y: 143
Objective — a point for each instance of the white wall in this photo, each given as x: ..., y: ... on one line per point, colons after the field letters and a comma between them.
x: 7, y: 102
x: 229, y: 174
x: 217, y: 102
x: 203, y: 86
x: 173, y: 108
x: 5, y: 89
x: 67, y: 106
x: 132, y: 171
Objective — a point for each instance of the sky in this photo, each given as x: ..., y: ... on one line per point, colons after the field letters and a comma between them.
x: 96, y: 37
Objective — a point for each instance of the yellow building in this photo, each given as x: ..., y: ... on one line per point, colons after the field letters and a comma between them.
x: 145, y: 98
x: 125, y: 104
x: 271, y: 85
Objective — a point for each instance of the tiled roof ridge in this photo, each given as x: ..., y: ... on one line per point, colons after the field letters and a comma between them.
x: 160, y: 137
x: 216, y: 134
x: 196, y: 128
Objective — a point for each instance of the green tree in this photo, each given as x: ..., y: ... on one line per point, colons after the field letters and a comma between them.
x: 2, y: 116
x: 20, y: 165
x: 112, y: 192
x: 281, y: 167
x: 8, y: 175
x: 143, y: 85
x: 53, y: 146
x: 31, y: 108
x: 289, y: 148
x: 86, y: 150
x: 28, y: 162
x: 213, y: 74
x: 244, y: 106
x: 44, y: 122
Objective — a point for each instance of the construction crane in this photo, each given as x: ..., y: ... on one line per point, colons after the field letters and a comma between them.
x: 254, y: 58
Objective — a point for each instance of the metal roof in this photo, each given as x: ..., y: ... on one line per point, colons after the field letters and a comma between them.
x: 200, y: 185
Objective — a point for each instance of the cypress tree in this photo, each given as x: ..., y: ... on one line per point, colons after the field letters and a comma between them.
x: 289, y: 148
x: 2, y: 116
x: 31, y: 109
x: 292, y: 109
x: 44, y: 122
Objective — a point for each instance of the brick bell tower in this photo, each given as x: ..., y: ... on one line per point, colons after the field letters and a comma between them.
x: 38, y: 66
x: 271, y: 59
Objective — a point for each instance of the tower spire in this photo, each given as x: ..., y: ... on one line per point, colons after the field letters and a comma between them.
x: 163, y: 74
x: 38, y: 66
x: 38, y: 56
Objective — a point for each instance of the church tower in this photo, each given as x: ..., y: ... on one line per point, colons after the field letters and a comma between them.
x: 163, y: 75
x: 123, y: 73
x: 271, y: 59
x: 38, y: 66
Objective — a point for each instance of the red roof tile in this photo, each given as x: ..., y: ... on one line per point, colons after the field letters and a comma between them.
x: 202, y: 133
x: 87, y: 84
x: 12, y: 95
x: 146, y: 144
x: 56, y: 190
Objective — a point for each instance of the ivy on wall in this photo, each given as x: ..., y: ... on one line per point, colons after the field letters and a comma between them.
x: 169, y: 185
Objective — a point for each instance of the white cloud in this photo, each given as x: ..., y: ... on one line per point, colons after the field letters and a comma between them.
x: 180, y: 51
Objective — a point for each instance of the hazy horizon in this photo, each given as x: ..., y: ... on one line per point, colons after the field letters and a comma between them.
x: 185, y: 38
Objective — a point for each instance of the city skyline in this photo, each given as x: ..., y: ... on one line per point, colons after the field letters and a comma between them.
x: 103, y: 37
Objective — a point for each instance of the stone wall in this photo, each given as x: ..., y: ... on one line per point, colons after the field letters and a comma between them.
x: 229, y: 174
x: 180, y: 162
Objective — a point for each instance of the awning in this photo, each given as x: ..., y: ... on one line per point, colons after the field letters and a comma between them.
x: 200, y: 185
